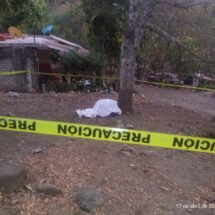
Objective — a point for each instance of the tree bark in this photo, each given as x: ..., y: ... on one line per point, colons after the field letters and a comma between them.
x: 127, y: 67
x: 132, y: 38
x: 127, y: 73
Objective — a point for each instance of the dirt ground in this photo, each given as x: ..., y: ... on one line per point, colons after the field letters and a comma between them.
x: 142, y: 181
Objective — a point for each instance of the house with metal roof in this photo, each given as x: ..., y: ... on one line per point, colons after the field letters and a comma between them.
x: 30, y: 53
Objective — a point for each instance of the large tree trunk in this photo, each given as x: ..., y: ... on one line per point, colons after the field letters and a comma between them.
x: 127, y: 67
x: 127, y: 70
x: 133, y: 35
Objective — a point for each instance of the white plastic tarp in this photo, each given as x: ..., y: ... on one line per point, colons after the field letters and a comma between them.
x: 102, y: 108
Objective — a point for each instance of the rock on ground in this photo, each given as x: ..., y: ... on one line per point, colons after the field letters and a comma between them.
x: 13, y: 94
x: 9, y: 210
x: 12, y: 176
x: 89, y: 198
x: 48, y: 189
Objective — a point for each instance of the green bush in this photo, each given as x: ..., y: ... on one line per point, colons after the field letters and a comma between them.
x: 72, y: 62
x: 60, y: 87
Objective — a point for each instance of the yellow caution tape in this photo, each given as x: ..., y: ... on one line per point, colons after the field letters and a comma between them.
x: 176, y: 85
x: 13, y: 72
x: 75, y: 76
x: 101, y: 133
x: 108, y: 78
x: 117, y: 78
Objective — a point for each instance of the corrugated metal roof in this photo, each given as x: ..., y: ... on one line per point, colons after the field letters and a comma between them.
x: 51, y: 41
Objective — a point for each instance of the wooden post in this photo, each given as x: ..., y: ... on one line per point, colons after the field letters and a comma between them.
x: 29, y: 81
x: 28, y: 67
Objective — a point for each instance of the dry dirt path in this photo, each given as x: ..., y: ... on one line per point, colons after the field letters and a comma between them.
x: 203, y: 102
x: 135, y: 180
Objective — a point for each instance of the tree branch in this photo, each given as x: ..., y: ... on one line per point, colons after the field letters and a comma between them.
x: 186, y: 4
x: 146, y: 9
x: 170, y: 38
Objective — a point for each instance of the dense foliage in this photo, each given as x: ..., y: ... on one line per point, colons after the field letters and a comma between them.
x: 99, y: 26
x: 26, y: 14
x: 194, y: 27
x: 75, y: 63
x: 106, y: 21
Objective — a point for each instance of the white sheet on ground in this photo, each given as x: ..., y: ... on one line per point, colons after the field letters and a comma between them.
x: 103, y: 108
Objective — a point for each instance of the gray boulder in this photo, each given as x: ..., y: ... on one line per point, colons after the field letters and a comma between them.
x: 89, y: 198
x: 12, y: 176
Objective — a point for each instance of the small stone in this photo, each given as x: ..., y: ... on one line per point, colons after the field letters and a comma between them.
x: 143, y: 96
x: 9, y: 114
x: 197, y: 199
x: 164, y: 188
x: 129, y: 126
x: 13, y: 175
x: 38, y: 150
x: 14, y: 201
x: 129, y: 152
x: 149, y: 153
x: 173, y: 103
x: 22, y: 140
x: 48, y: 189
x: 89, y: 198
x: 13, y: 94
x: 29, y: 187
x: 104, y: 180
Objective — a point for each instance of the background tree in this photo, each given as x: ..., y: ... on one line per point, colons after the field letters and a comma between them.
x: 156, y: 34
x: 24, y: 14
x: 105, y: 21
x: 139, y: 13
